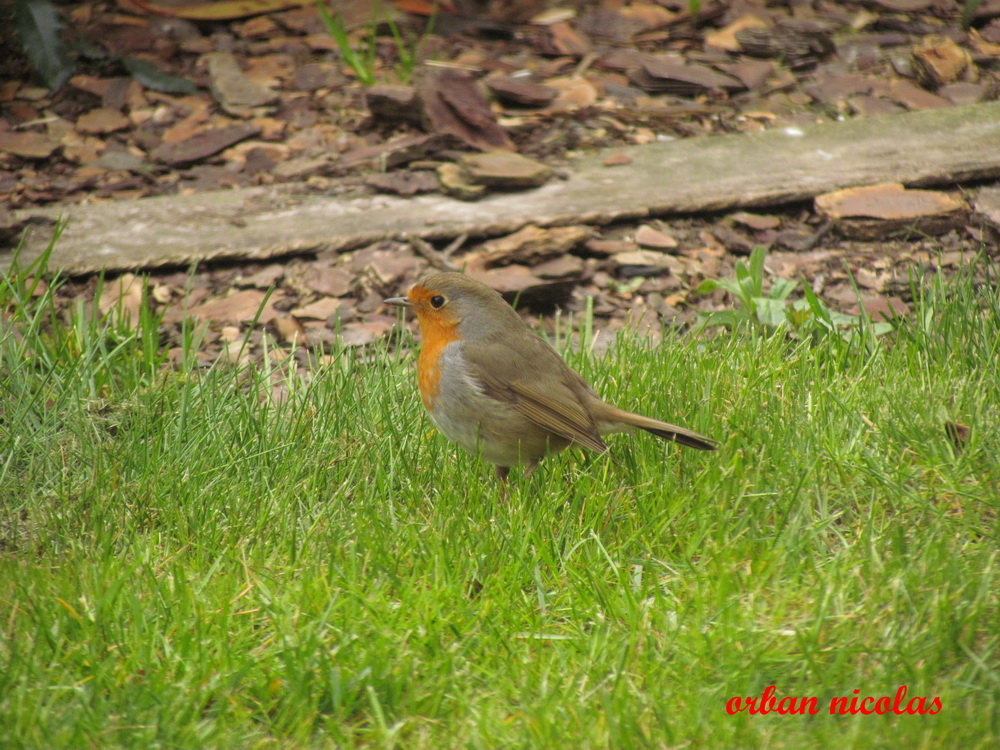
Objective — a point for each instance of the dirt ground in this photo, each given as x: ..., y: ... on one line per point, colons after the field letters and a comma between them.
x: 267, y: 98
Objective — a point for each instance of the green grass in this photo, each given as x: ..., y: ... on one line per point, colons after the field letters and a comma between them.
x: 184, y: 563
x: 364, y: 61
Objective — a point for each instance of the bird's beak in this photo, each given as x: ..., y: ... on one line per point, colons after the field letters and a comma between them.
x: 398, y: 302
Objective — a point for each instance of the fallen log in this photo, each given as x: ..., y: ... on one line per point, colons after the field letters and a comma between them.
x: 933, y: 147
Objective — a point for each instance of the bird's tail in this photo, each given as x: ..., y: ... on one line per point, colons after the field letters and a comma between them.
x: 665, y: 430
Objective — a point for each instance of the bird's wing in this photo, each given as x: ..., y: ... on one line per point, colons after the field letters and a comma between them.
x: 535, y: 381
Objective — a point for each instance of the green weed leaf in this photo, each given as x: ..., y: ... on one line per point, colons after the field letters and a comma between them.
x: 153, y: 78
x: 363, y: 67
x: 770, y: 312
x: 819, y: 310
x: 719, y: 318
x: 708, y: 286
x: 781, y: 288
x: 757, y: 271
x: 37, y: 24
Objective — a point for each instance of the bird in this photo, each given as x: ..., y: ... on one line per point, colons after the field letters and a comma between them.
x: 494, y: 387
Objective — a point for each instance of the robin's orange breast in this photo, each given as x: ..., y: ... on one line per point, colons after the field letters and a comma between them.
x: 438, y: 332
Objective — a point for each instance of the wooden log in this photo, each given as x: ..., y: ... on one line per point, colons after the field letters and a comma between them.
x: 933, y: 147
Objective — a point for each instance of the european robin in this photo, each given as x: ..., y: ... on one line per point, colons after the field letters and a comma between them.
x: 490, y: 384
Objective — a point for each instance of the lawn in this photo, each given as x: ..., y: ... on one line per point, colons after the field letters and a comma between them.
x: 188, y: 560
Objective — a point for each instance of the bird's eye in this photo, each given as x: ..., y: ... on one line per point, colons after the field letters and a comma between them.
x: 437, y: 301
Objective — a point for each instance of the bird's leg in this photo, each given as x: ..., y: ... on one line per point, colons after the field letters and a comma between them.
x: 502, y: 472
x: 530, y: 467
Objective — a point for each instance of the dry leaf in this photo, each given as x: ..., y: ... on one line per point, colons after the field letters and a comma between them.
x: 453, y: 105
x: 221, y: 11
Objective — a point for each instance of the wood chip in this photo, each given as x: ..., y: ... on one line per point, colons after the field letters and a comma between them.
x: 621, y: 60
x: 914, y: 97
x: 519, y: 283
x: 302, y: 168
x: 646, y: 263
x: 938, y: 60
x: 725, y: 38
x: 988, y: 205
x: 986, y: 41
x: 102, y: 120
x: 756, y: 221
x: 609, y: 24
x: 566, y: 40
x: 321, y: 309
x: 503, y: 170
x: 604, y: 248
x: 885, y: 308
x: 28, y: 145
x: 335, y: 282
x: 365, y: 332
x: 962, y: 92
x: 905, y: 6
x: 237, y: 308
x: 390, y: 266
x: 666, y: 74
x: 753, y: 73
x: 870, y: 106
x: 232, y: 89
x: 261, y: 26
x: 510, y: 279
x: 313, y: 76
x: 203, y: 144
x: 574, y: 93
x: 264, y: 278
x: 123, y: 294
x: 454, y: 106
x: 455, y: 182
x: 394, y: 102
x: 395, y: 153
x: 404, y: 183
x: 889, y: 210
x: 833, y: 89
x: 552, y: 15
x: 231, y: 334
x: 799, y: 43
x: 886, y: 201
x: 520, y: 92
x: 563, y: 267
x: 733, y: 241
x: 617, y: 160
x: 646, y: 236
x: 532, y: 245
x: 647, y: 16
